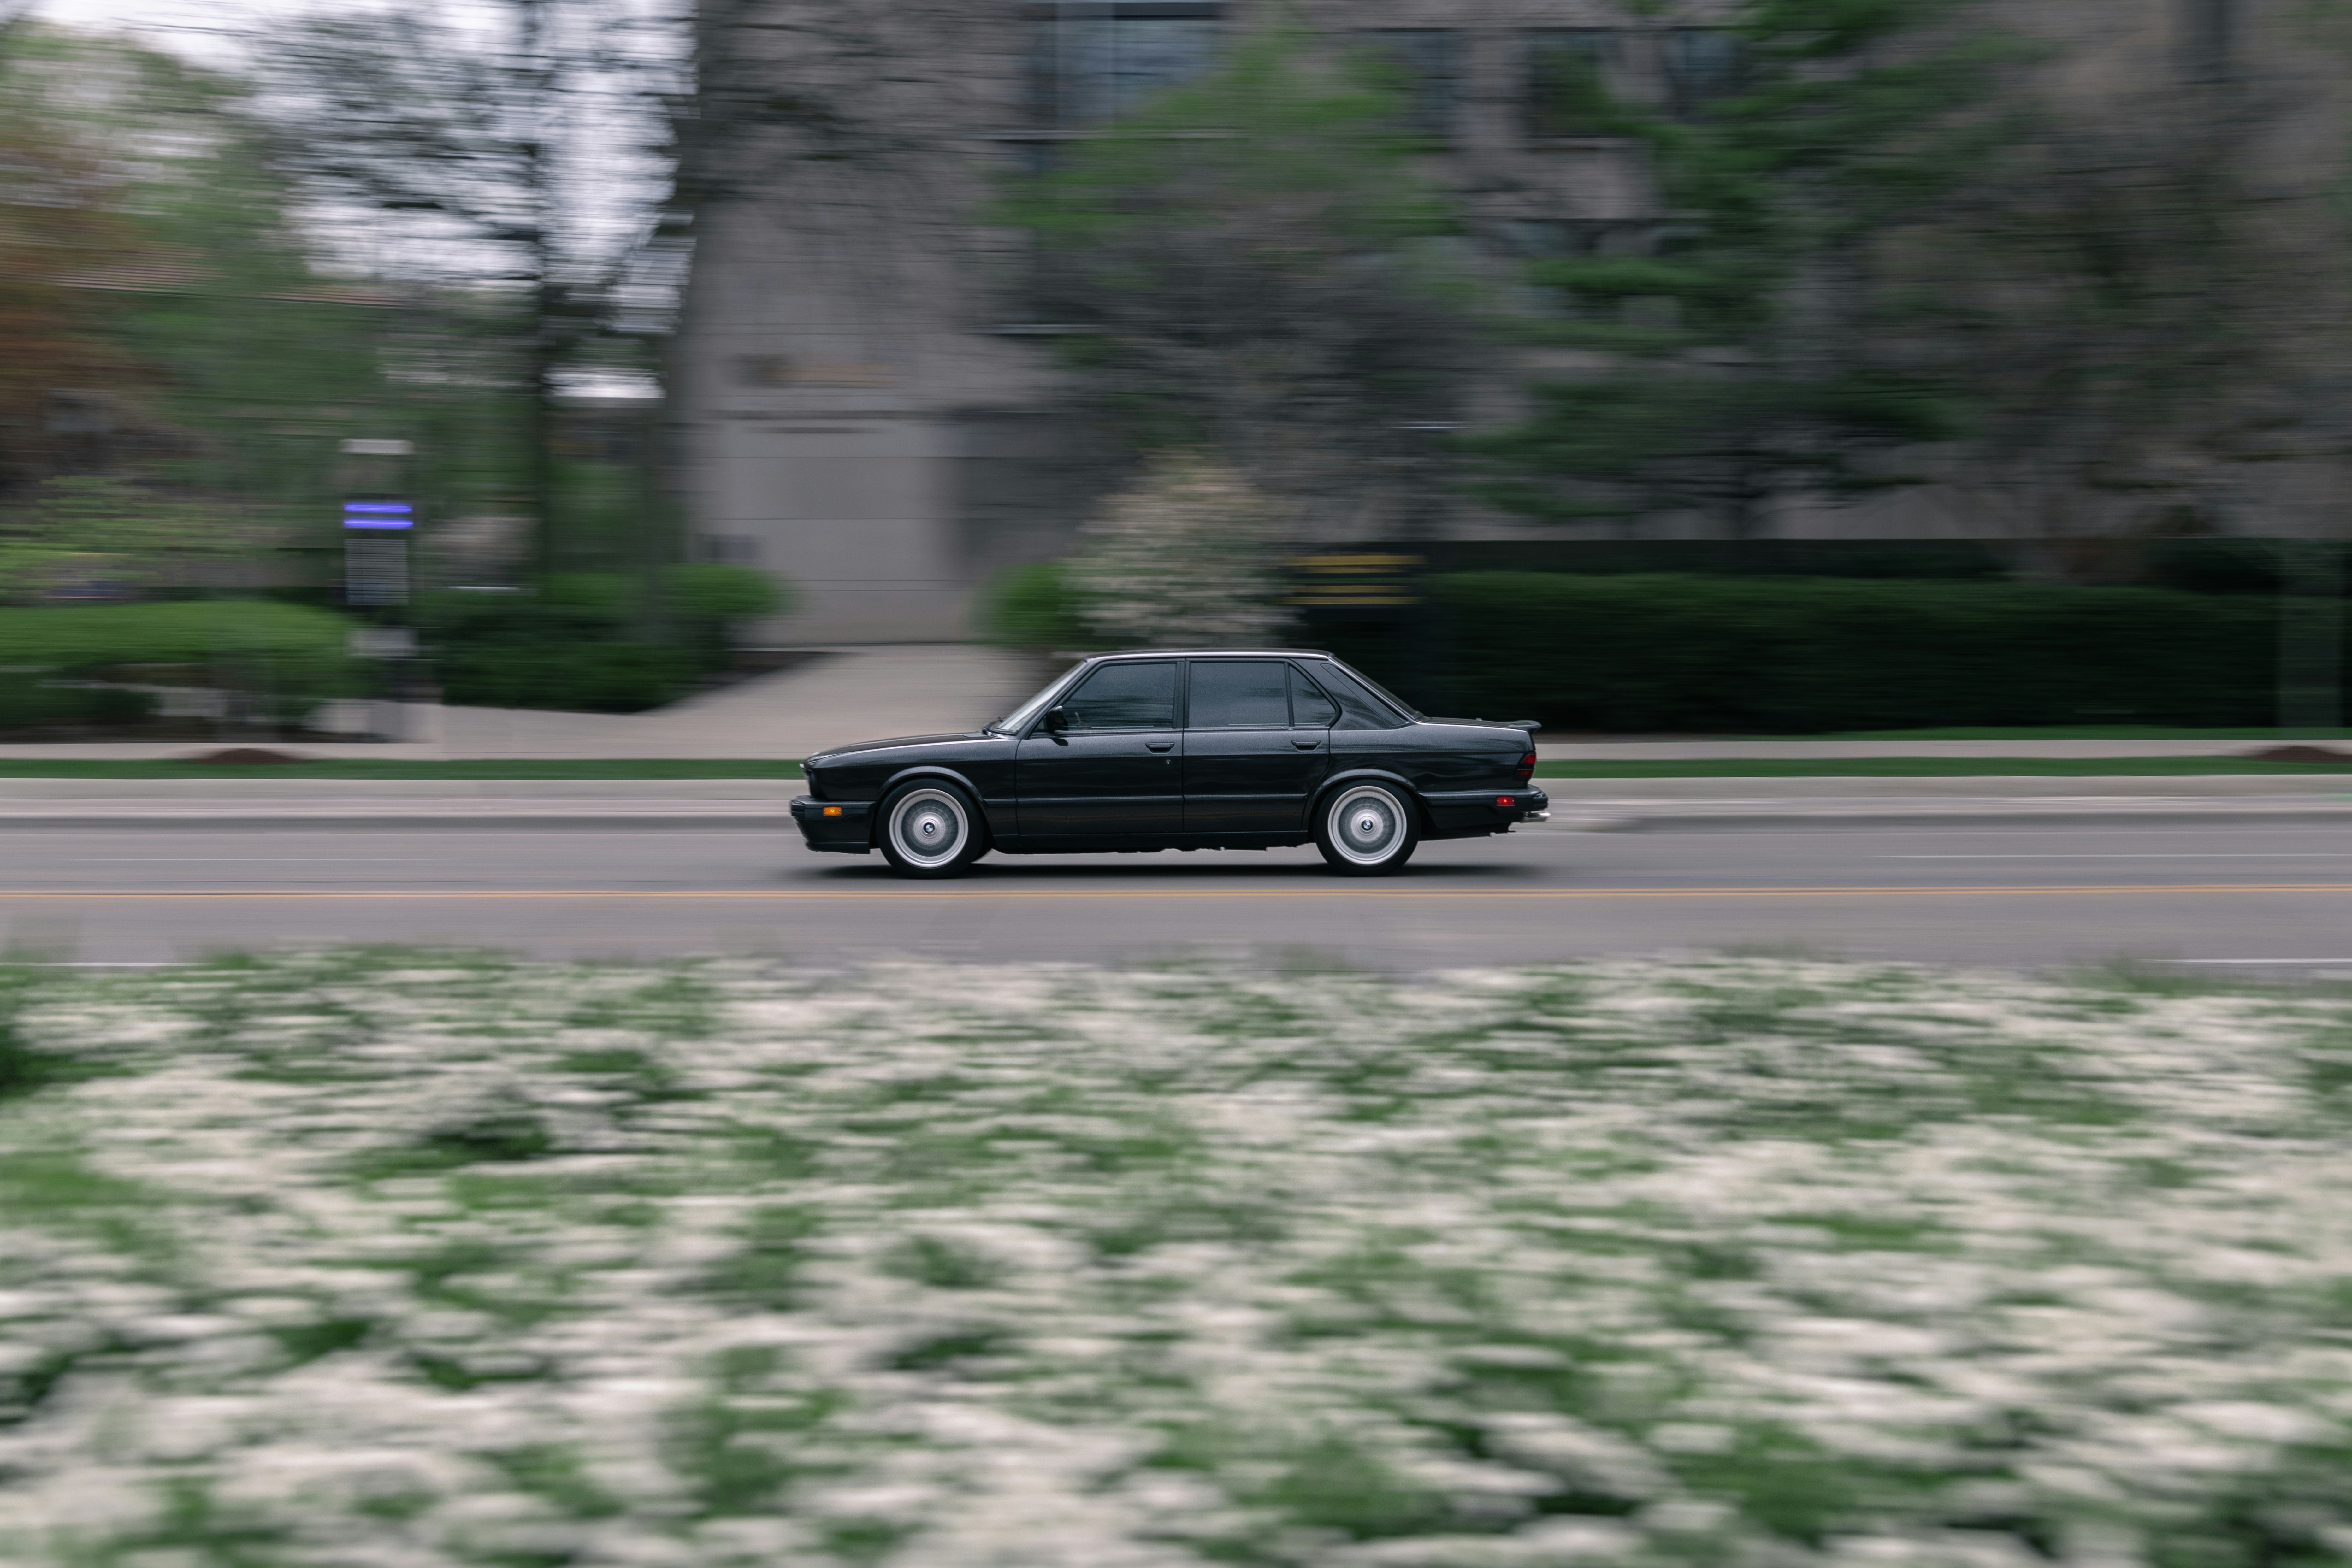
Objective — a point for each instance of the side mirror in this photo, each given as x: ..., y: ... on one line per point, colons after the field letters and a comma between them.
x: 1056, y: 720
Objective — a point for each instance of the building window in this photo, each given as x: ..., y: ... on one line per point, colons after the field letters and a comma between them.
x: 1428, y: 59
x: 1703, y: 67
x: 2209, y: 31
x: 1568, y: 75
x: 1092, y: 63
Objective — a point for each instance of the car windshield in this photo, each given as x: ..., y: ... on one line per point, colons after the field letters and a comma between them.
x: 1019, y: 719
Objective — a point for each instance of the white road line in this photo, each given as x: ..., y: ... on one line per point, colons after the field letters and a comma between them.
x: 2108, y: 855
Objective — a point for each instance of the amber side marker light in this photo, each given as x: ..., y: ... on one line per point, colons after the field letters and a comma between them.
x: 832, y: 811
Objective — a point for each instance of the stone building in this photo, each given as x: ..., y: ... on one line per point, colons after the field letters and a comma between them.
x: 866, y: 408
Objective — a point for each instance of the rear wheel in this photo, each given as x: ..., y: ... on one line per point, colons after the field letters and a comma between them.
x: 930, y: 831
x: 1367, y: 829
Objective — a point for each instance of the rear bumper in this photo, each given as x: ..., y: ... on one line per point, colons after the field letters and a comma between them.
x: 1466, y: 812
x: 840, y: 826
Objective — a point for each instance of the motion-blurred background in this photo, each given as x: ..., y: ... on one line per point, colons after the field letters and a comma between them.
x: 1784, y: 367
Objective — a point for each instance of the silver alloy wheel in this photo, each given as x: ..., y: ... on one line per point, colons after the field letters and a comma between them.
x: 927, y: 827
x: 1366, y: 824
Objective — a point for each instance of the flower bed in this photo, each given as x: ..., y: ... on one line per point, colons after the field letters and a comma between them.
x: 379, y: 1259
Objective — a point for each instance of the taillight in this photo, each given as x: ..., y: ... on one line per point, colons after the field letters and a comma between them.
x: 1527, y: 765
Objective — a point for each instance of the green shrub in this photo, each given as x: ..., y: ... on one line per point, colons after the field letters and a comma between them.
x: 1656, y: 655
x: 608, y: 596
x: 587, y: 676
x: 1033, y: 607
x: 25, y: 703
x: 119, y: 705
x: 288, y: 648
x: 577, y: 642
x: 726, y: 593
x: 28, y: 702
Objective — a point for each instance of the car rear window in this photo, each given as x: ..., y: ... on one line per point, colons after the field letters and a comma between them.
x: 1359, y: 707
x: 1309, y: 704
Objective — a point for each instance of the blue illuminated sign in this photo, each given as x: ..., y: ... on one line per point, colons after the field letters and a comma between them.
x: 378, y: 515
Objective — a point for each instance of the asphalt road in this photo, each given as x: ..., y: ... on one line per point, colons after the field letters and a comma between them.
x: 2252, y: 899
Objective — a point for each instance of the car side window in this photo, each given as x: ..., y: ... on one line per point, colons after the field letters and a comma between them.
x: 1125, y: 696
x: 1230, y: 694
x: 1358, y: 709
x: 1309, y: 708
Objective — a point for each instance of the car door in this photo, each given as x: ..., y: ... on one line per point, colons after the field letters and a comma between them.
x: 1248, y: 766
x: 1117, y: 771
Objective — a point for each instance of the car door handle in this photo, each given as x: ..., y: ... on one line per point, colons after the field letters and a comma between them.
x: 1159, y: 745
x: 1307, y: 744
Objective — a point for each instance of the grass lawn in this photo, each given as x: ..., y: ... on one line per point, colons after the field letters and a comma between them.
x: 411, y: 1259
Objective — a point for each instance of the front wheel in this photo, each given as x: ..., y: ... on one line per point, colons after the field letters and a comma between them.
x: 930, y: 831
x: 1367, y: 829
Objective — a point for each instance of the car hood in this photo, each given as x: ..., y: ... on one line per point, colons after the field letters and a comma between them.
x: 831, y: 752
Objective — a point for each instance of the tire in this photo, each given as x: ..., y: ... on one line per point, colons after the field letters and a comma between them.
x: 1367, y: 829
x: 930, y: 830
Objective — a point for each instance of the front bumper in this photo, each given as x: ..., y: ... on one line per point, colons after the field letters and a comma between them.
x: 840, y: 826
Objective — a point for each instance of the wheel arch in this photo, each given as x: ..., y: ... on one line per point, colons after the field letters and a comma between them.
x: 930, y: 772
x: 1402, y: 785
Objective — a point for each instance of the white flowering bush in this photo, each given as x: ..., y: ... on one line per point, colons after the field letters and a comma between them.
x: 382, y: 1259
x: 1182, y: 560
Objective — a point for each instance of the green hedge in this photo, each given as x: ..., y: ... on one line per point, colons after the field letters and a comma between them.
x: 1792, y: 655
x: 575, y: 646
x: 285, y: 648
x: 1661, y: 653
x: 578, y: 676
x: 29, y: 703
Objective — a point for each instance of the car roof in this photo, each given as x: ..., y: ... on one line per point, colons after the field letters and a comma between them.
x: 1215, y: 652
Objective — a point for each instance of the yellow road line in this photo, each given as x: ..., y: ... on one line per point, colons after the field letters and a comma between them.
x: 1382, y: 894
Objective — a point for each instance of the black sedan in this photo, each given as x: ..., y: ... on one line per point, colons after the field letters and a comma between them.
x: 1185, y: 750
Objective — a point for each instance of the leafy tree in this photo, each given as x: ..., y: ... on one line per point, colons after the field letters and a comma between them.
x: 189, y: 310
x: 483, y: 156
x: 1183, y: 558
x: 61, y: 218
x: 1248, y: 265
x: 1759, y: 350
x: 2147, y: 299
